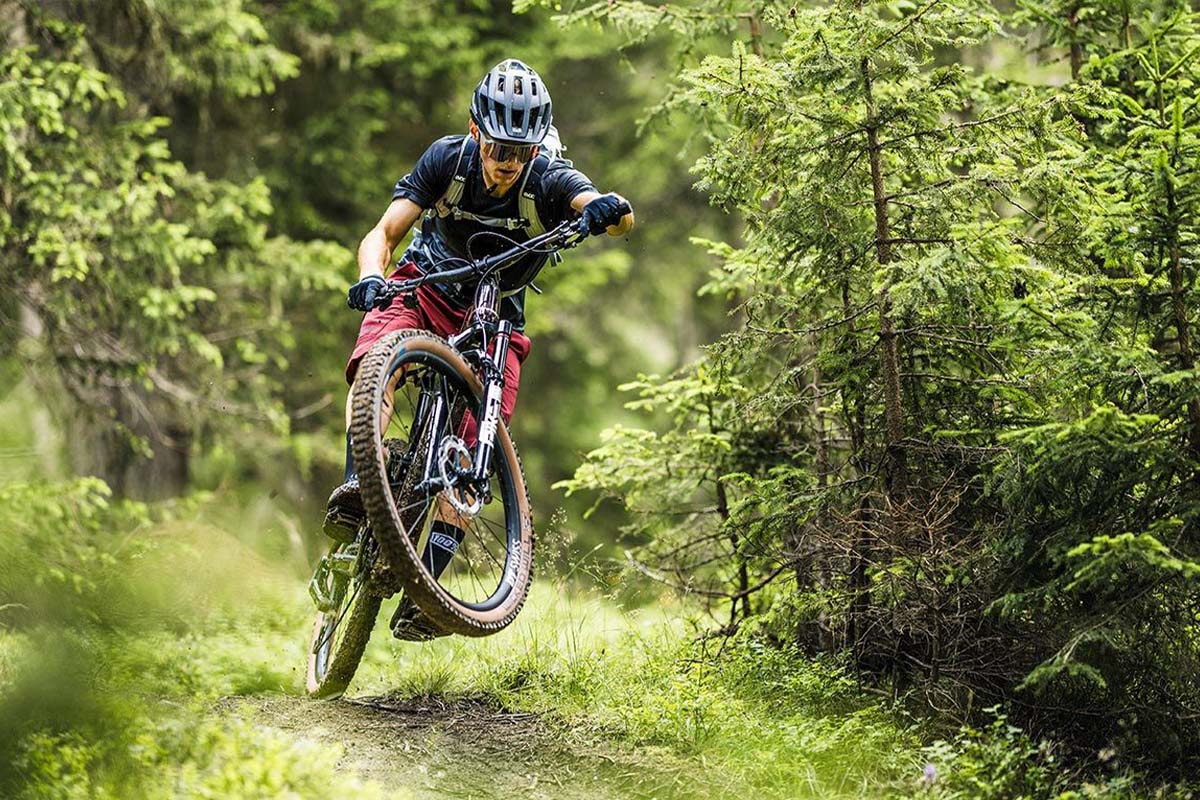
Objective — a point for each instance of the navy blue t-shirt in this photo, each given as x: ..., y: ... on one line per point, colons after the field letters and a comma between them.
x: 445, y: 238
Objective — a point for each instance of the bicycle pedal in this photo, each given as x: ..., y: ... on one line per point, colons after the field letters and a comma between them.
x: 409, y: 624
x: 344, y: 560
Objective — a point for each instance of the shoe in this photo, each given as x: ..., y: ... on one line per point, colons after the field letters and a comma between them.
x: 410, y: 624
x: 345, y: 513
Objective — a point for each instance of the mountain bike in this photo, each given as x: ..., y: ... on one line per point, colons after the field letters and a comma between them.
x: 433, y: 455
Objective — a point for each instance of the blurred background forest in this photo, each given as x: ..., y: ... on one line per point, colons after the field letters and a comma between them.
x: 908, y: 426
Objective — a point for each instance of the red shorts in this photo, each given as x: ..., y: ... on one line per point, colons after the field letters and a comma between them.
x: 433, y: 313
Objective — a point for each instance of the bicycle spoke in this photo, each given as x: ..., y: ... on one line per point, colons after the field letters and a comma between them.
x: 338, y: 623
x: 414, y: 504
x: 486, y: 548
x: 483, y: 547
x: 496, y: 529
x: 483, y: 591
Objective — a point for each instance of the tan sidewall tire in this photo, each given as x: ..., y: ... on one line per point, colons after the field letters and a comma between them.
x: 396, y: 546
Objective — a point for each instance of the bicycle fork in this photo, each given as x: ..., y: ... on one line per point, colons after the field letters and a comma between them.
x: 489, y: 410
x: 487, y: 415
x: 433, y: 407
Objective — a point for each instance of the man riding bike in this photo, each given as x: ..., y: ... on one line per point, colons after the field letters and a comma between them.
x: 478, y: 194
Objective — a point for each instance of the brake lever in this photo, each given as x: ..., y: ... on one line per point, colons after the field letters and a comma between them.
x: 394, y: 289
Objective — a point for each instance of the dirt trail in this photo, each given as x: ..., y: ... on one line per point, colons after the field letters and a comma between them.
x: 437, y: 748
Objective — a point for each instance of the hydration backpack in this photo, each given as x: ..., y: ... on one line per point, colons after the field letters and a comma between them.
x: 529, y: 221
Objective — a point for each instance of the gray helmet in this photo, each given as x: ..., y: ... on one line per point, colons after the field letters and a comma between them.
x: 511, y: 104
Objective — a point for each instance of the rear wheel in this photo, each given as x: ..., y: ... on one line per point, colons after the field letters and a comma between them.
x: 483, y: 586
x: 347, y: 603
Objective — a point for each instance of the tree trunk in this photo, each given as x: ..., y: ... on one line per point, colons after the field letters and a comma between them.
x: 802, y: 543
x: 895, y: 466
x: 1187, y: 359
x: 1076, y: 47
x: 743, y: 571
x: 104, y: 449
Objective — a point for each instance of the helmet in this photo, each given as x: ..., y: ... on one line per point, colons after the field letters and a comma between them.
x: 511, y: 104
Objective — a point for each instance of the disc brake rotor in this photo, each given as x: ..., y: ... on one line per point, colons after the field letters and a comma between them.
x: 454, y: 459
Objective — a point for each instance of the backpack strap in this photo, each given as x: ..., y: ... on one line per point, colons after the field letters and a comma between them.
x: 454, y: 192
x: 527, y: 198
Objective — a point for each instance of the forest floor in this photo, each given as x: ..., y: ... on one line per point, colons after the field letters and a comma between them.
x: 466, y: 748
x: 184, y: 668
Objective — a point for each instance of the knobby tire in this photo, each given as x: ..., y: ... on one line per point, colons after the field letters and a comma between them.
x: 355, y: 628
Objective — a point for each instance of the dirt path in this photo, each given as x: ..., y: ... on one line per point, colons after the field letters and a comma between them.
x: 435, y: 748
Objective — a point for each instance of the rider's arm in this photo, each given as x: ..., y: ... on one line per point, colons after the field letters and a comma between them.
x: 375, y: 251
x: 583, y: 198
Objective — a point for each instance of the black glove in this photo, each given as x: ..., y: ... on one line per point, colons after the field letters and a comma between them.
x: 605, y: 210
x: 362, y: 294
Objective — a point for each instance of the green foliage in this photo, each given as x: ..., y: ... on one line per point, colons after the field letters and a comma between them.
x: 142, y: 274
x: 65, y: 547
x: 120, y: 625
x: 999, y: 761
x: 187, y: 756
x: 968, y: 340
x: 871, y: 179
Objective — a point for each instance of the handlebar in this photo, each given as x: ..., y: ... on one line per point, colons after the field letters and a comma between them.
x: 565, y: 236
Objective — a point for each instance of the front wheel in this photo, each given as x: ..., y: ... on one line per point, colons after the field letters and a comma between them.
x: 482, y: 587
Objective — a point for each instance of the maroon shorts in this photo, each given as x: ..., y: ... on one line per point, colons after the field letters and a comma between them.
x: 433, y: 313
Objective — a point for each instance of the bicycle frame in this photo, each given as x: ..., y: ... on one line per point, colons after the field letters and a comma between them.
x: 484, y: 343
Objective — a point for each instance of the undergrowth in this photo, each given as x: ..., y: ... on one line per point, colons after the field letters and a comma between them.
x: 753, y: 719
x: 125, y: 630
x: 120, y: 625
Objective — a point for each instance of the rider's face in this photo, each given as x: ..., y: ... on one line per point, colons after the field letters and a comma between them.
x: 499, y: 176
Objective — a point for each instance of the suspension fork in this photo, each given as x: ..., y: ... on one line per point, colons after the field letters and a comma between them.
x: 489, y: 408
x: 432, y: 408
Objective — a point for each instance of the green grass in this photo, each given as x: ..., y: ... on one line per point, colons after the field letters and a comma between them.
x: 192, y: 615
x: 130, y: 637
x: 756, y: 721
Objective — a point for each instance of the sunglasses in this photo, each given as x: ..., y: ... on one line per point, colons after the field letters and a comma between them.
x: 503, y: 151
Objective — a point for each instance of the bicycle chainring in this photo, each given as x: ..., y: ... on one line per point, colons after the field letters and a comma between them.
x: 454, y: 467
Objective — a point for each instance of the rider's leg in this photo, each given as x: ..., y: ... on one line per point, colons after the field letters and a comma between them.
x: 344, y: 513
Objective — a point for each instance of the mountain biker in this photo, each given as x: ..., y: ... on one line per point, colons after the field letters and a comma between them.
x: 477, y: 194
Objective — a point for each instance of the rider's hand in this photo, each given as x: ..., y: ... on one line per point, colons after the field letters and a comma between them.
x: 362, y: 294
x: 604, y: 212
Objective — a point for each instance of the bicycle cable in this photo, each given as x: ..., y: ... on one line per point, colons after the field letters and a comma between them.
x: 508, y: 239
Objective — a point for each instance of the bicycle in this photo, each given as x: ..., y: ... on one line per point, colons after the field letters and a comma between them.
x: 442, y: 465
